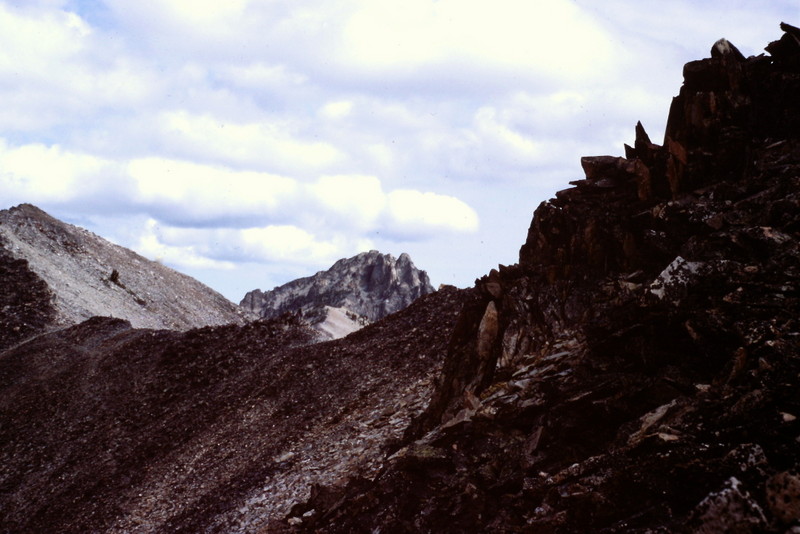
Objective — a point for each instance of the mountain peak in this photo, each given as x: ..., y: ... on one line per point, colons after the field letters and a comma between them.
x: 369, y: 285
x: 84, y: 275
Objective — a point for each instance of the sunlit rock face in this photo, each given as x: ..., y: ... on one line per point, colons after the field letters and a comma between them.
x: 70, y: 274
x: 353, y: 292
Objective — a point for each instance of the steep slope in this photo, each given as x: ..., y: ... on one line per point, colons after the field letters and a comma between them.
x: 26, y: 306
x: 637, y: 371
x: 87, y: 276
x: 106, y: 428
x: 353, y: 292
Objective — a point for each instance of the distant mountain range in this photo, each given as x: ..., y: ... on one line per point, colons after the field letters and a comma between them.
x: 58, y: 274
x: 352, y: 293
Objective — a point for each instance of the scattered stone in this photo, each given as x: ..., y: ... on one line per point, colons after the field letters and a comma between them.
x: 672, y: 283
x: 731, y: 509
x: 783, y: 496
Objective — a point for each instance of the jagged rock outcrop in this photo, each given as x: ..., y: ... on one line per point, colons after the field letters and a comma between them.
x: 63, y: 274
x: 638, y: 370
x: 352, y: 293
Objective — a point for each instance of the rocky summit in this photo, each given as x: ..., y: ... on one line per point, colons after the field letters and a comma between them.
x: 57, y: 274
x: 352, y: 293
x: 638, y: 369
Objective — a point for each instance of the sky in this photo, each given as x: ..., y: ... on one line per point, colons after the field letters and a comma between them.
x: 251, y: 142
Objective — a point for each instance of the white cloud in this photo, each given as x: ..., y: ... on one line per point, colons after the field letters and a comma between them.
x: 51, y: 174
x: 261, y: 76
x: 413, y: 212
x: 200, y: 12
x: 220, y: 247
x: 287, y: 242
x: 331, y: 217
x: 510, y: 144
x: 55, y: 69
x: 273, y: 143
x: 198, y: 16
x: 32, y: 41
x: 188, y: 192
x: 184, y: 256
x: 691, y: 27
x: 336, y: 110
x: 552, y: 38
x: 234, y: 31
x: 349, y: 201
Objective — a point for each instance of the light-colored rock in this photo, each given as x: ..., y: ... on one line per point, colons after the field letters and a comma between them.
x: 89, y: 276
x: 338, y: 322
x: 349, y: 295
x: 732, y: 509
x: 671, y: 284
x: 487, y: 331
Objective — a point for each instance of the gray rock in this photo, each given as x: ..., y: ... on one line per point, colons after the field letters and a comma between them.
x: 731, y: 509
x: 88, y: 276
x: 367, y: 287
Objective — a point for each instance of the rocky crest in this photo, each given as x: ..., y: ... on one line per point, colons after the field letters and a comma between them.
x: 637, y: 371
x: 353, y: 292
x: 63, y: 274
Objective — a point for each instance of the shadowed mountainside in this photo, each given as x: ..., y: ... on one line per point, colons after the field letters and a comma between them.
x: 113, y: 429
x: 637, y: 371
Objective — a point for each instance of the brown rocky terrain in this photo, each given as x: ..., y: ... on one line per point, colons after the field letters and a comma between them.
x: 106, y: 428
x: 26, y: 307
x: 638, y: 370
x: 84, y: 276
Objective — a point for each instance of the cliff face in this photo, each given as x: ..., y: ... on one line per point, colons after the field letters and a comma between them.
x: 637, y: 371
x: 70, y: 275
x: 354, y: 291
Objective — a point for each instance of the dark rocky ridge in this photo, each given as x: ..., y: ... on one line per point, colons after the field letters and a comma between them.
x: 106, y: 428
x: 638, y: 370
x: 66, y: 274
x: 369, y: 285
x: 26, y: 307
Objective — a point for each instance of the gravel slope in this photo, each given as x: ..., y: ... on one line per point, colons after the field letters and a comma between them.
x: 88, y: 276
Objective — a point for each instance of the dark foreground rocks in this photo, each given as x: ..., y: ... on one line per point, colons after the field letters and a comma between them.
x: 106, y: 428
x: 638, y: 370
